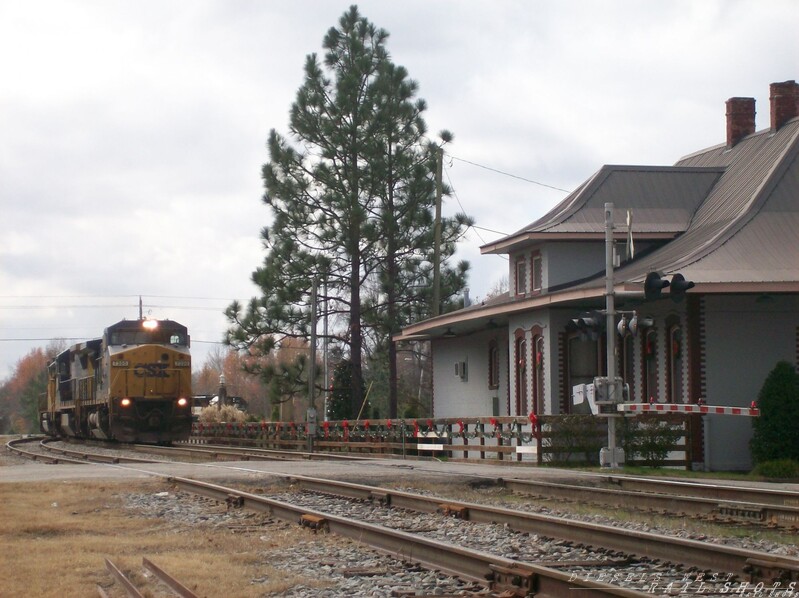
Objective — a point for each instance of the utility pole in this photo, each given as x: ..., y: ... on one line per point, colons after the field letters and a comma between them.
x: 613, y: 387
x: 325, y: 350
x: 437, y: 233
x: 311, y: 414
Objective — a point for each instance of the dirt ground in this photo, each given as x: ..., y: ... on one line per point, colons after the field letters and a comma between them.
x: 55, y: 538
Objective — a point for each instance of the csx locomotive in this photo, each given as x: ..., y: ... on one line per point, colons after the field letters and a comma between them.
x: 131, y: 385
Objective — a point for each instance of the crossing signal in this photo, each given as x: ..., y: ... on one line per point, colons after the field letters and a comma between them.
x: 655, y: 283
x: 590, y: 323
x: 678, y: 287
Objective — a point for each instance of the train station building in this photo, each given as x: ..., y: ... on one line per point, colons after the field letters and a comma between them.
x: 725, y: 218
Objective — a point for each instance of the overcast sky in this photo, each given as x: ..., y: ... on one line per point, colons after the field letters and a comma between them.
x: 132, y: 133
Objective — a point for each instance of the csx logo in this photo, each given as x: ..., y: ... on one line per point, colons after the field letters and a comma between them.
x: 150, y: 370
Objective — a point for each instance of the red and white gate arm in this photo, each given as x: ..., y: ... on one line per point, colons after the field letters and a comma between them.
x: 686, y: 408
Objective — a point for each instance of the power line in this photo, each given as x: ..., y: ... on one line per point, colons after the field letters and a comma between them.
x: 515, y: 176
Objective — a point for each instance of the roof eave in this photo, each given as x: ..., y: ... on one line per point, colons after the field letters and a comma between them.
x: 510, y: 244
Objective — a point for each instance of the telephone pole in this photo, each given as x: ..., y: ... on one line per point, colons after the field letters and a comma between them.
x: 437, y: 233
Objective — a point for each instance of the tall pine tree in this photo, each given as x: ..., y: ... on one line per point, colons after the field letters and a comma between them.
x: 351, y: 203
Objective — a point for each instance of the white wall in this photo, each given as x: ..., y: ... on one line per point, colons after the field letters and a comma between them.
x: 470, y: 396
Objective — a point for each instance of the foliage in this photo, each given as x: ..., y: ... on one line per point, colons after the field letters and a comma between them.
x: 241, y: 378
x: 779, y: 469
x: 776, y: 435
x: 339, y: 406
x: 21, y: 396
x: 649, y: 439
x: 573, y: 439
x: 224, y: 414
x: 351, y: 196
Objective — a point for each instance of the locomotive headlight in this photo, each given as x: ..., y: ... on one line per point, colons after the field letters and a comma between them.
x: 125, y: 402
x: 182, y: 402
x: 150, y: 324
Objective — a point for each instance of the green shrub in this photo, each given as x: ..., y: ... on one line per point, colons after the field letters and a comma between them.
x: 574, y: 439
x: 649, y: 439
x: 778, y: 469
x: 776, y: 433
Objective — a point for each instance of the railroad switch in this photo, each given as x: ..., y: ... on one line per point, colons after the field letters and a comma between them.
x: 512, y: 581
x: 314, y: 522
x: 456, y: 511
x: 234, y: 501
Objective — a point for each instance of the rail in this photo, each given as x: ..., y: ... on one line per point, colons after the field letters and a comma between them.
x: 499, y: 573
x: 134, y: 592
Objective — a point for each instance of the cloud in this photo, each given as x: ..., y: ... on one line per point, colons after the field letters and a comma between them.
x: 134, y: 132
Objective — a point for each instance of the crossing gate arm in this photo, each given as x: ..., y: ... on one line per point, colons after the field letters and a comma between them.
x: 636, y: 408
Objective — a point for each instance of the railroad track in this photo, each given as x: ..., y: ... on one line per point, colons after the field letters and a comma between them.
x: 219, y: 452
x: 15, y: 446
x: 500, y: 574
x: 726, y: 504
x: 715, y: 502
x: 151, y: 568
x: 753, y: 567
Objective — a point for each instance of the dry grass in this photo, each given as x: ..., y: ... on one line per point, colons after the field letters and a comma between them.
x: 55, y: 537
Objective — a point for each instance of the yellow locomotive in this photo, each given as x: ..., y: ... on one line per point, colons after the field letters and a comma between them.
x: 131, y: 385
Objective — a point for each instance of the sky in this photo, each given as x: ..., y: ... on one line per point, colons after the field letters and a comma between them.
x: 132, y: 133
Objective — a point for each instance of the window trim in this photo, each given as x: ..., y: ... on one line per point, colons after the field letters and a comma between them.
x: 536, y: 271
x: 493, y: 364
x: 521, y: 281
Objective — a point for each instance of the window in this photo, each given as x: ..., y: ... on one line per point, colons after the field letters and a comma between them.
x: 521, y: 276
x: 538, y: 275
x: 628, y: 361
x: 521, y: 374
x: 538, y: 374
x: 493, y: 365
x: 650, y: 380
x: 583, y: 357
x: 674, y: 364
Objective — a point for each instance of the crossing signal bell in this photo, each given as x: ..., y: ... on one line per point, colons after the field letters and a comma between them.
x: 655, y: 283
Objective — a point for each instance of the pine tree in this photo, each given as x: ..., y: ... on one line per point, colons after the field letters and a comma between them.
x: 350, y: 203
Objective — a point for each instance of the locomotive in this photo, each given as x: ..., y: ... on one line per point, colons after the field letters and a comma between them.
x: 132, y: 385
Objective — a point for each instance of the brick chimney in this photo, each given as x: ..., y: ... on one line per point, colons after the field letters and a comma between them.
x: 740, y: 119
x: 784, y: 99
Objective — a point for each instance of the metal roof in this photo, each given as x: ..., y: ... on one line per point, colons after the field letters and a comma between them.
x: 663, y: 199
x: 733, y: 212
x: 747, y: 230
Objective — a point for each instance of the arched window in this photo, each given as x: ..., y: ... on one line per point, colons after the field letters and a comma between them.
x: 650, y: 377
x: 521, y: 374
x: 674, y: 363
x: 493, y: 365
x: 538, y: 374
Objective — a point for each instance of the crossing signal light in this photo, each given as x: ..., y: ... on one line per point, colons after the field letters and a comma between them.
x: 678, y: 287
x: 591, y: 323
x: 655, y: 283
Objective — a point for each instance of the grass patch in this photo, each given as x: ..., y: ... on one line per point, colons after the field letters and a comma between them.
x: 55, y: 538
